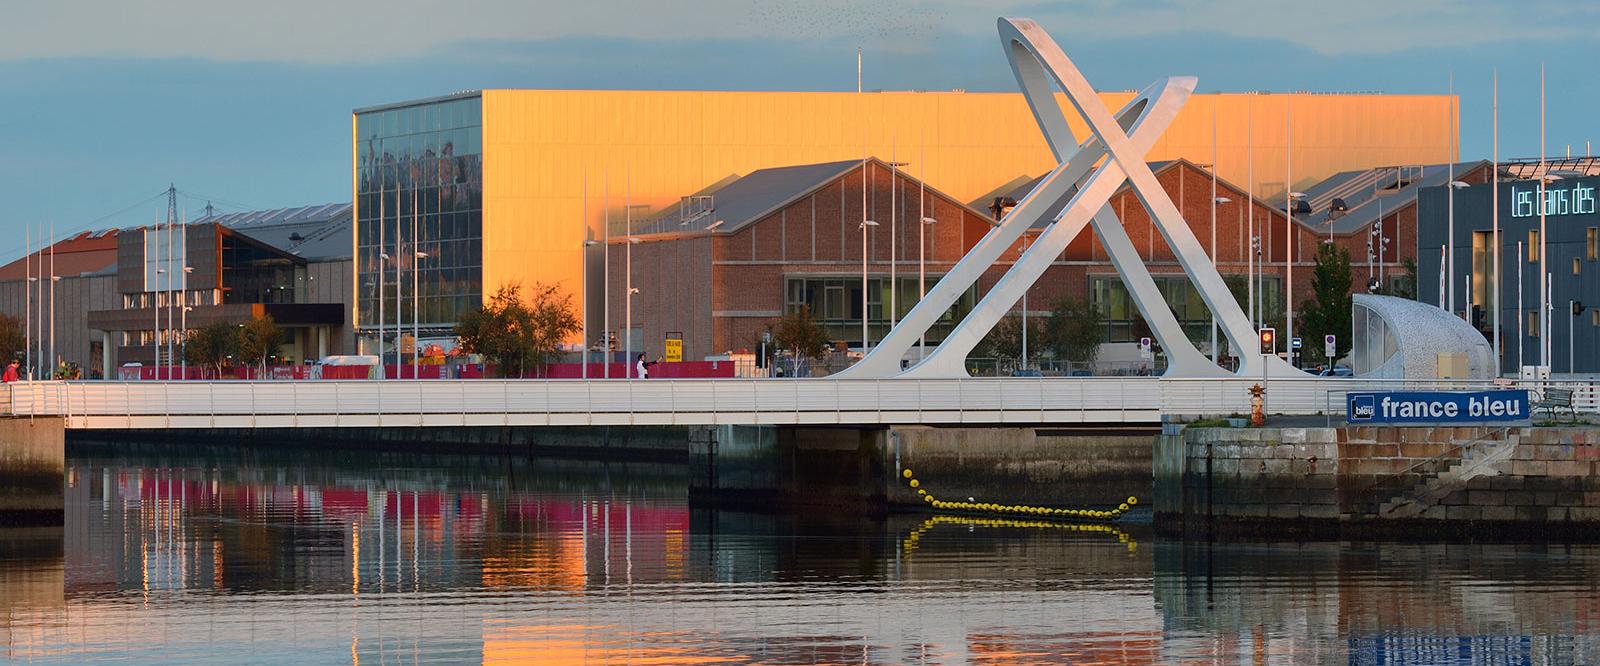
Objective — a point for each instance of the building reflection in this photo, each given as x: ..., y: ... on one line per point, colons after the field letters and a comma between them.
x: 460, y: 558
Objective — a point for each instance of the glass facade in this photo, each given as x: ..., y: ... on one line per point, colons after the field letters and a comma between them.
x: 835, y: 304
x: 419, y: 189
x: 1116, y: 306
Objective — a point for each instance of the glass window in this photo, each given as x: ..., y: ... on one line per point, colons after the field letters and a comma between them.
x: 1533, y: 324
x: 1533, y: 246
x: 1593, y: 243
x: 1576, y: 266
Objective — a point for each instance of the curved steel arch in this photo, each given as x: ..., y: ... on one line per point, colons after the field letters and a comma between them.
x: 1123, y: 139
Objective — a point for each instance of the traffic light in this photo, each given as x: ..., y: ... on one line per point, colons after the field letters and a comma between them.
x: 1269, y: 341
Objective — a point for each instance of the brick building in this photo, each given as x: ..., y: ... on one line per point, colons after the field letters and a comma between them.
x: 724, y: 264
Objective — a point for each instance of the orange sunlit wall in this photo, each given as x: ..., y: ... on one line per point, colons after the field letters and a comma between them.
x: 557, y: 161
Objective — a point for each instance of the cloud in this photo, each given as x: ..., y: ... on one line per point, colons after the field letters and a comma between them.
x: 319, y: 31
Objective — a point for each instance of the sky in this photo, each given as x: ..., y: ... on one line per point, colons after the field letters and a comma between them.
x: 105, y: 103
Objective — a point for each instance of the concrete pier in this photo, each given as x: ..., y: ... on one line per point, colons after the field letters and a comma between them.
x: 861, y: 466
x: 32, y: 469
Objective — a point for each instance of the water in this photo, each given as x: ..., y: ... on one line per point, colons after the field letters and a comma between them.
x: 317, y: 557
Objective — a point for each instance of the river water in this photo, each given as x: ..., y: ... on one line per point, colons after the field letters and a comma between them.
x: 326, y: 557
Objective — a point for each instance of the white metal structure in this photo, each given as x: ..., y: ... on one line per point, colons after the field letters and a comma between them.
x: 110, y: 405
x: 1122, y: 139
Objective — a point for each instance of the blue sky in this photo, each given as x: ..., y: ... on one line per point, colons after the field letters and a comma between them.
x: 248, y: 104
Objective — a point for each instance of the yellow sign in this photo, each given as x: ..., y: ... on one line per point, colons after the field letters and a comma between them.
x: 674, y: 351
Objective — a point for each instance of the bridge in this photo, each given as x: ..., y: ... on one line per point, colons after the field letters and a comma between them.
x: 112, y: 405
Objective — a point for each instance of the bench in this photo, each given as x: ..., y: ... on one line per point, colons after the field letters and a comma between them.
x: 1555, y: 399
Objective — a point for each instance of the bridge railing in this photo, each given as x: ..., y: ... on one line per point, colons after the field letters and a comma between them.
x: 579, y: 402
x: 112, y: 404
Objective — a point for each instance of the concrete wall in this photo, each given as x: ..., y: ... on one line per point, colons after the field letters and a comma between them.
x: 1033, y: 466
x: 75, y: 297
x: 32, y: 468
x: 1365, y: 477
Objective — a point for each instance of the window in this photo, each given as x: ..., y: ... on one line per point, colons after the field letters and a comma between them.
x: 1576, y: 266
x: 1594, y: 317
x: 1594, y: 243
x: 1533, y: 246
x: 1533, y: 324
x: 835, y: 304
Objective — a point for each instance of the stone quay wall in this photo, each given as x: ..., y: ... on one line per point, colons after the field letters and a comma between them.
x: 1378, y: 477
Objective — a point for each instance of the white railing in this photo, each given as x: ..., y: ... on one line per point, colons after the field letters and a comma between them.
x: 200, y: 404
x: 486, y: 402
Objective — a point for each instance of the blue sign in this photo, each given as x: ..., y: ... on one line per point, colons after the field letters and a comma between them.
x: 1508, y: 406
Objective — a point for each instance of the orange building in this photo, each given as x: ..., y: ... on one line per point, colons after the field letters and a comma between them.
x: 460, y: 194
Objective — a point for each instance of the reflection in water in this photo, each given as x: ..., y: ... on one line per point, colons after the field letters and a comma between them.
x: 297, y: 558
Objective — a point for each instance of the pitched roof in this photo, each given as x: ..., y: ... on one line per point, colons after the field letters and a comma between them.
x: 316, y: 233
x: 1019, y: 192
x: 87, y: 252
x: 1366, y: 191
x: 748, y: 199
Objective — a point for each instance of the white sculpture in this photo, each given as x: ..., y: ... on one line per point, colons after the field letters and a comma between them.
x: 1125, y: 137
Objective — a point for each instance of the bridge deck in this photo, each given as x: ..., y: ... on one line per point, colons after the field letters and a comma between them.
x: 487, y: 402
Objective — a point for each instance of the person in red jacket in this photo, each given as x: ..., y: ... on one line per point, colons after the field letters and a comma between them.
x: 11, y: 373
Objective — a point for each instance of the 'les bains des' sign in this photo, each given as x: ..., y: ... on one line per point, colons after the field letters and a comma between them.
x: 1575, y: 200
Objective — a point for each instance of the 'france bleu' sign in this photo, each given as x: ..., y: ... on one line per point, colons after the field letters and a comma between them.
x: 1507, y: 407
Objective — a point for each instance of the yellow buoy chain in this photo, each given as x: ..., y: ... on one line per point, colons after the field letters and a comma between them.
x: 1020, y: 509
x: 912, y: 540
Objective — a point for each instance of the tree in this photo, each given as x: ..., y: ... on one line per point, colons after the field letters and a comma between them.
x: 212, y: 344
x: 1004, y: 342
x: 1073, y: 331
x: 1328, y: 311
x: 259, y: 339
x: 514, y: 333
x: 799, y: 334
x: 11, y: 338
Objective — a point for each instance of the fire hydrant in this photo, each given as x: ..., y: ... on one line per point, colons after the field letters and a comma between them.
x: 1257, y: 418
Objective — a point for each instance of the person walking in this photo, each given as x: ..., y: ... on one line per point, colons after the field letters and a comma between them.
x: 641, y: 368
x: 10, y: 373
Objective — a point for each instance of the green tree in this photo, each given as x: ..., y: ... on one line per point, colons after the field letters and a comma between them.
x: 1328, y: 311
x: 210, y: 345
x: 11, y: 338
x: 258, y: 340
x: 516, y: 333
x: 1004, y: 341
x: 1073, y: 331
x: 799, y: 334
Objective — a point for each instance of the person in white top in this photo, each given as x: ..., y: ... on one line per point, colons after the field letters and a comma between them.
x: 641, y: 368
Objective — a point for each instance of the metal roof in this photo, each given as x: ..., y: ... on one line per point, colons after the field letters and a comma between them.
x: 1366, y: 191
x: 1049, y: 218
x: 746, y: 200
x: 316, y: 233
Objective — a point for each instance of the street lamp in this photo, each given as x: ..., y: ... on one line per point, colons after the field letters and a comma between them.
x: 586, y: 245
x: 155, y: 341
x: 1297, y: 205
x: 1215, y: 201
x: 183, y: 320
x: 416, y: 298
x: 383, y: 262
x: 922, y: 280
x: 1023, y: 250
x: 864, y: 335
x: 627, y: 324
x: 1450, y: 240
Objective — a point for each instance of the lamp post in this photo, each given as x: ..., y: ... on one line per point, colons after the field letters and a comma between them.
x: 1022, y: 250
x: 416, y: 298
x: 383, y: 263
x: 1289, y: 244
x: 155, y: 341
x: 1215, y: 201
x: 865, y: 338
x: 586, y: 245
x: 183, y: 316
x: 627, y: 324
x: 922, y: 279
x: 1450, y: 239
